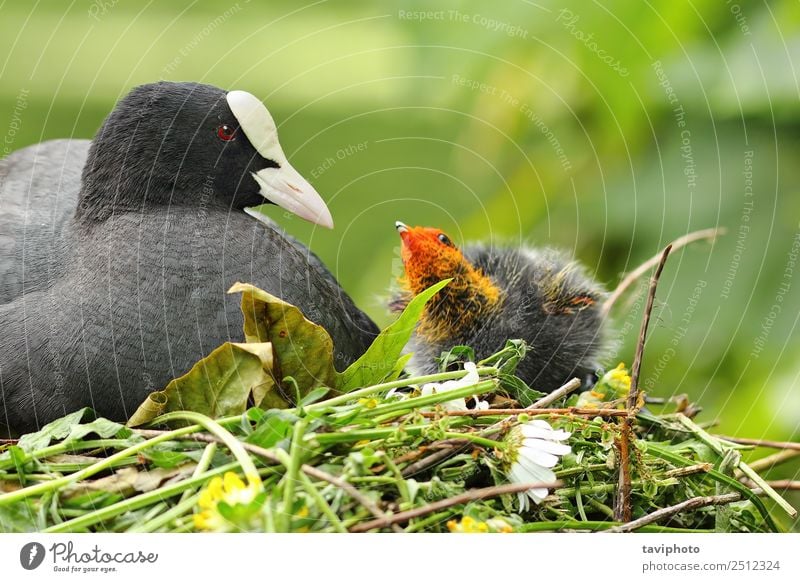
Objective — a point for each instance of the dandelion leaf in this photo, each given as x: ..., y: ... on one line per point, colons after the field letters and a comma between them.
x: 380, y: 360
x: 302, y: 349
x: 218, y: 385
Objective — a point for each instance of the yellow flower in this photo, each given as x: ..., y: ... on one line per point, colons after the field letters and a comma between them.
x: 467, y: 524
x: 499, y: 525
x: 613, y: 385
x: 230, y: 489
x: 619, y: 379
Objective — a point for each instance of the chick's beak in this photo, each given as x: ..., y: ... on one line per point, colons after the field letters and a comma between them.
x: 406, y: 235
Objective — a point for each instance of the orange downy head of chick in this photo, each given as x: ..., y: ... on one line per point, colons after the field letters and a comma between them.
x: 429, y: 256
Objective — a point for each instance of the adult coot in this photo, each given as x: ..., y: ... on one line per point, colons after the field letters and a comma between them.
x: 502, y: 293
x: 158, y: 236
x: 39, y: 188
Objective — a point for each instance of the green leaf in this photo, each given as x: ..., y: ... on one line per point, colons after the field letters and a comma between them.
x: 507, y: 359
x: 399, y: 367
x: 519, y: 390
x: 164, y: 458
x: 218, y: 385
x: 380, y: 360
x: 453, y: 356
x: 69, y: 429
x: 272, y: 429
x: 21, y: 517
x: 302, y: 349
x: 54, y: 431
x: 313, y: 396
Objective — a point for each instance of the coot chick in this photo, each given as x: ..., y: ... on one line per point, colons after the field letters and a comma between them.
x: 502, y: 293
x: 158, y: 236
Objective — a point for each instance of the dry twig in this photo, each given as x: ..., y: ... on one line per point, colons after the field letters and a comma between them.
x: 567, y: 388
x: 665, y: 512
x: 707, y: 234
x: 622, y: 506
x: 772, y: 460
x: 473, y: 495
x: 603, y: 412
x: 762, y: 443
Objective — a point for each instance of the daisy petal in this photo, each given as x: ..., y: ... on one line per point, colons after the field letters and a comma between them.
x: 455, y: 405
x: 537, y: 495
x: 548, y: 446
x: 518, y: 474
x: 472, y: 376
x: 536, y: 471
x: 540, y: 458
x: 548, y: 433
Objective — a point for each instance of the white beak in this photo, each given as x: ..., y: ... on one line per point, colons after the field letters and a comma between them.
x: 285, y: 187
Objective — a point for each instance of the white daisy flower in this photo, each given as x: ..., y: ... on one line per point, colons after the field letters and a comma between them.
x: 535, y: 448
x: 470, y: 379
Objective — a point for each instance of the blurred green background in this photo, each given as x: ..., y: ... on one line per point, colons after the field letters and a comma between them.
x: 606, y: 128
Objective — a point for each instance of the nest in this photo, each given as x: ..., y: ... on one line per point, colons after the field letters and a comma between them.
x: 235, y: 446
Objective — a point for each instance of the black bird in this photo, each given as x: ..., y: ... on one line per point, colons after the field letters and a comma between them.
x: 158, y: 236
x: 502, y: 293
x: 39, y: 188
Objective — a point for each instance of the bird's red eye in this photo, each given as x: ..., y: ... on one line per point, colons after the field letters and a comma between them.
x: 226, y: 132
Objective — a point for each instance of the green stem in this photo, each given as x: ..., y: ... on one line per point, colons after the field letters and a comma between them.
x: 314, y: 493
x: 608, y: 487
x: 187, y: 500
x: 433, y: 399
x: 372, y: 479
x: 292, y: 470
x: 203, y: 464
x: 356, y: 394
x: 722, y: 519
x: 436, y: 518
x: 402, y: 486
x: 72, y: 467
x: 329, y: 438
x: 235, y: 446
x: 70, y: 446
x: 715, y: 444
x: 478, y: 440
x: 184, y: 505
x: 601, y: 507
x: 60, y: 482
x: 137, y: 502
x: 581, y: 469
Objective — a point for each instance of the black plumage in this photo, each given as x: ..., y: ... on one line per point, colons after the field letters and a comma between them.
x: 39, y: 187
x: 157, y: 238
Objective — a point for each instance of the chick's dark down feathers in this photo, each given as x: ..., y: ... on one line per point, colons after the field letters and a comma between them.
x: 546, y: 300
